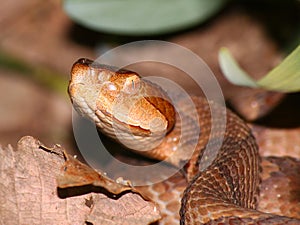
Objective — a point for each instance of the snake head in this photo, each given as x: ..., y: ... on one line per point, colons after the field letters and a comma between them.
x: 120, y: 101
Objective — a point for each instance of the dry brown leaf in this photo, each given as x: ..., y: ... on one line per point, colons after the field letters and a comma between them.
x: 29, y: 194
x: 28, y: 188
x: 74, y: 173
x: 130, y: 209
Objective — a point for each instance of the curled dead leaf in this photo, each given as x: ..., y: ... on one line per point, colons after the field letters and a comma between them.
x: 74, y: 173
x: 28, y: 191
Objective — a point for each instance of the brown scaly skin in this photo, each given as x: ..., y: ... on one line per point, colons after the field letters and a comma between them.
x: 226, y: 192
x: 231, y: 181
x: 223, y: 193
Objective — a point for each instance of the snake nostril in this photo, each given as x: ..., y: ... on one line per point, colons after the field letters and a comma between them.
x: 84, y: 61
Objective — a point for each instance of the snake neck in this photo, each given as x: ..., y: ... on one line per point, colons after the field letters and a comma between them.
x: 224, y: 171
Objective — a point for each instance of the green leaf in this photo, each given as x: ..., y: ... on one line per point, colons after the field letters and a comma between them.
x: 283, y: 78
x: 138, y: 17
x: 232, y: 71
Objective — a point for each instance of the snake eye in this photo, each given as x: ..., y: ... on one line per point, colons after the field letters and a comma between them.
x: 132, y: 85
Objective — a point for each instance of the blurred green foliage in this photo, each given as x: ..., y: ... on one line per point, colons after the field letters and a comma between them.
x: 284, y: 78
x: 138, y: 17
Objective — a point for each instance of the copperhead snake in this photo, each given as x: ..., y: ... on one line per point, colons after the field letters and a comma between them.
x: 225, y: 191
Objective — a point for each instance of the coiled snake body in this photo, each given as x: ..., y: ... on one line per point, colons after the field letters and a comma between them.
x: 226, y: 190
